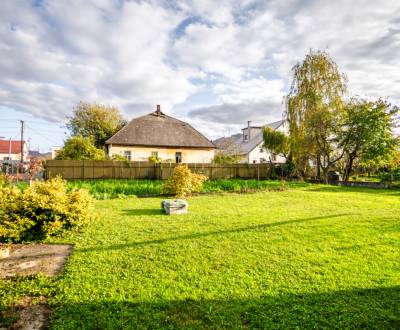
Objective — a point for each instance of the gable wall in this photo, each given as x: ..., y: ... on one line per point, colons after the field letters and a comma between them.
x: 255, y: 155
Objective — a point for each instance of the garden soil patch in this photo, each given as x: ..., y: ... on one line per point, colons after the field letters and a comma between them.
x: 32, y: 259
x: 30, y: 314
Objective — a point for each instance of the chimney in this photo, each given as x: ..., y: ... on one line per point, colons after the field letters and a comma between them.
x: 158, y: 111
x: 248, y: 130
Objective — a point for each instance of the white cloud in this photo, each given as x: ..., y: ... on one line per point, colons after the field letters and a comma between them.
x: 63, y: 52
x: 136, y: 54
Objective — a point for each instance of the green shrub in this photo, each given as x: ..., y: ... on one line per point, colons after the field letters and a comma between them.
x: 119, y: 158
x: 390, y: 176
x: 222, y: 158
x: 80, y: 148
x: 155, y: 159
x: 42, y: 210
x: 3, y: 180
x: 183, y: 182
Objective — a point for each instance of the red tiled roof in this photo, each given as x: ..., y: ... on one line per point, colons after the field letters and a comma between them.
x: 5, y: 145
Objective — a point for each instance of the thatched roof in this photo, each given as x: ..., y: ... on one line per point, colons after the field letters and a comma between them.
x: 159, y: 130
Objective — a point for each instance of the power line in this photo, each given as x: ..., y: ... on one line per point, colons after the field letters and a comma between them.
x: 33, y: 121
x: 43, y: 136
x: 53, y: 130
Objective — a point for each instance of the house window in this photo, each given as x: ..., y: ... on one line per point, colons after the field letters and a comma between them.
x: 263, y: 160
x: 154, y: 154
x: 178, y: 157
x: 273, y: 157
x: 128, y: 155
x: 246, y: 137
x: 261, y: 150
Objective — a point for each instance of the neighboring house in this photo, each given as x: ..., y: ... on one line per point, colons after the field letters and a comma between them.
x: 157, y: 134
x: 11, y: 150
x: 55, y: 151
x: 249, y: 144
x: 39, y: 155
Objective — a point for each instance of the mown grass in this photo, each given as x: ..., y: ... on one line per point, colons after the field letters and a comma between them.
x: 108, y: 188
x: 312, y: 257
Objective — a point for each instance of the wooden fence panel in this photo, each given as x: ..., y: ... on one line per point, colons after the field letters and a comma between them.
x: 76, y: 169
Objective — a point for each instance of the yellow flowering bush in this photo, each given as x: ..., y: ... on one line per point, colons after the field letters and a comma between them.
x: 44, y: 209
x: 183, y: 182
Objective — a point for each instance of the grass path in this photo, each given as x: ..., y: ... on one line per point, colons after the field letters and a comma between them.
x: 311, y: 257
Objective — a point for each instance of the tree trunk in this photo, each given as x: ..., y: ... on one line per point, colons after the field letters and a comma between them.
x: 349, y: 167
x: 319, y: 167
x: 325, y: 171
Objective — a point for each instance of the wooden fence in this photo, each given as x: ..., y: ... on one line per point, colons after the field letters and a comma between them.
x: 86, y: 169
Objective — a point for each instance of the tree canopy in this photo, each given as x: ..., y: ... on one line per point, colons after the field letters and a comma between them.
x: 80, y: 148
x: 97, y: 121
x: 314, y: 110
x: 367, y: 133
x: 276, y: 142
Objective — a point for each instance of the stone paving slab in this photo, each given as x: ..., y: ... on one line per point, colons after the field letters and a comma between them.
x: 32, y: 259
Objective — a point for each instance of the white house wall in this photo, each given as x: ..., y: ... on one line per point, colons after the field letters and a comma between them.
x: 13, y: 156
x: 16, y: 157
x: 257, y: 156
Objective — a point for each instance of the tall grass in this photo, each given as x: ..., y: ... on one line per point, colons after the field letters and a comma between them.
x: 109, y: 188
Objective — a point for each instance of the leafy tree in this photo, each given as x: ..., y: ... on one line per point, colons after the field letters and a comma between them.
x: 314, y: 110
x: 80, y: 148
x: 97, y: 121
x: 276, y: 142
x: 368, y: 133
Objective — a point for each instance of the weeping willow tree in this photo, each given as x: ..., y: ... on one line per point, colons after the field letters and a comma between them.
x: 314, y: 110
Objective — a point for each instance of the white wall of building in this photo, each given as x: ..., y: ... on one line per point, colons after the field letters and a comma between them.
x: 143, y: 153
x: 261, y: 155
x: 16, y: 156
x: 12, y: 156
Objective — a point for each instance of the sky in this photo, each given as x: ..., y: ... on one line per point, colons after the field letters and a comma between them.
x: 214, y: 64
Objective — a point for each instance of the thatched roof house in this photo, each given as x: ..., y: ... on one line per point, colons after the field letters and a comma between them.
x: 162, y: 136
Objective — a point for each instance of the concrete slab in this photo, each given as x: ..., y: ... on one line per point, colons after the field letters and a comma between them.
x: 31, y: 259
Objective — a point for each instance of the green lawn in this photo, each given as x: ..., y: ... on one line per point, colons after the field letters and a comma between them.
x: 312, y: 257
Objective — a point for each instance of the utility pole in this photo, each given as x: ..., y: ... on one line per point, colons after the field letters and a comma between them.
x: 22, y: 141
x: 9, y: 163
x: 9, y: 149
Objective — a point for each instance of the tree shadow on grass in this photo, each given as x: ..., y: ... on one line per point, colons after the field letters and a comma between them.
x: 377, y: 308
x: 260, y: 227
x: 365, y: 190
x: 141, y: 212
